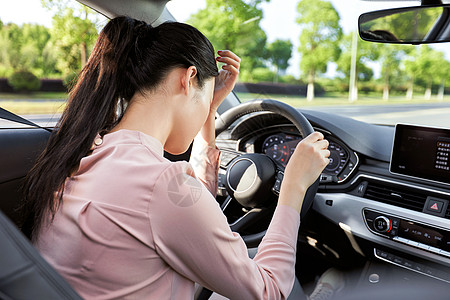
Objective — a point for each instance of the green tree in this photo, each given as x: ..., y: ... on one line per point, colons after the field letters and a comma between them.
x: 411, y: 69
x: 234, y: 25
x: 263, y: 75
x: 364, y: 54
x: 444, y: 74
x: 37, y: 37
x: 22, y: 48
x: 11, y: 42
x: 278, y: 53
x: 428, y: 69
x: 74, y: 33
x: 319, y: 37
x: 390, y: 56
x: 24, y: 81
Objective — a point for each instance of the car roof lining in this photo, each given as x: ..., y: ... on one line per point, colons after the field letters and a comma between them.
x: 145, y: 10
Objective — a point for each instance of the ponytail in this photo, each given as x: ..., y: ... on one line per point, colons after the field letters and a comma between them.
x: 129, y: 56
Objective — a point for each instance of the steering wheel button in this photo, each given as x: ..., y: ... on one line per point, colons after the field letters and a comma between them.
x: 277, y: 186
x: 280, y: 176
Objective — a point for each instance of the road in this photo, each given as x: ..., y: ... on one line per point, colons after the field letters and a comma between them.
x: 434, y: 114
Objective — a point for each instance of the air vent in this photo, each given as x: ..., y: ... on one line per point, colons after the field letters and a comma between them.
x: 396, y: 195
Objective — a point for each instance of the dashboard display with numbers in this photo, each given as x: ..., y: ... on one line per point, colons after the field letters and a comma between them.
x: 281, y: 146
x: 421, y: 152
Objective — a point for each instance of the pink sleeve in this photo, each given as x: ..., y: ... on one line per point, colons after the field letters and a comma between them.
x: 205, y: 162
x: 191, y: 234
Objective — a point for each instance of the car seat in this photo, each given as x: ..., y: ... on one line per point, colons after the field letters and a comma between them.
x: 24, y: 274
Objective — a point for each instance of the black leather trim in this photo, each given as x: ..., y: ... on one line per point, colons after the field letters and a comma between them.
x: 18, y: 152
x: 24, y: 274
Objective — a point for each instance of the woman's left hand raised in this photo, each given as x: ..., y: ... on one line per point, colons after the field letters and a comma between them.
x: 227, y: 78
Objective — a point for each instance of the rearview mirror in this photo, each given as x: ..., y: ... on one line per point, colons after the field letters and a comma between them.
x: 407, y: 25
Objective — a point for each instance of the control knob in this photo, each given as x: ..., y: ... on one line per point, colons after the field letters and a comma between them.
x: 382, y: 224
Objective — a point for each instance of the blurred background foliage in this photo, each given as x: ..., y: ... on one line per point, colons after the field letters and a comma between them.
x: 62, y: 50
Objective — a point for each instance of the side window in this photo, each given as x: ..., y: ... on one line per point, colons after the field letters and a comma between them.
x: 41, y: 57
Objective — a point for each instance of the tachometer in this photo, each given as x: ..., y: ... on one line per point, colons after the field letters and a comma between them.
x: 338, y: 159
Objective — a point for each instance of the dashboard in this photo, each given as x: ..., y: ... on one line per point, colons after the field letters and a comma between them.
x: 392, y: 213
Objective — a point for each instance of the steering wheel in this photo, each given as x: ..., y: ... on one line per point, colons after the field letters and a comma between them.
x: 252, y: 178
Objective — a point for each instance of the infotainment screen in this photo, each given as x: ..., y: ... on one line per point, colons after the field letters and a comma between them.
x: 422, y: 152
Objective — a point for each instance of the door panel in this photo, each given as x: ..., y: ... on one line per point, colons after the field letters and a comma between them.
x: 19, y: 149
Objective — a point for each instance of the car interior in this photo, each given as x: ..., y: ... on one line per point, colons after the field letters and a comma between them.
x: 379, y: 212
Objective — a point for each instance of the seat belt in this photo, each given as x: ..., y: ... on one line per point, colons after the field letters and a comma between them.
x: 7, y: 115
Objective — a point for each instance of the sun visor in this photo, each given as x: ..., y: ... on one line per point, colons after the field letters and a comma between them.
x: 145, y: 10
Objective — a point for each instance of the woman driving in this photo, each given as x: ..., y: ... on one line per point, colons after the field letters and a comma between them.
x: 117, y: 219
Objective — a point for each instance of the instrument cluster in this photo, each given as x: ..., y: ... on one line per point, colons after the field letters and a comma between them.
x: 280, y: 146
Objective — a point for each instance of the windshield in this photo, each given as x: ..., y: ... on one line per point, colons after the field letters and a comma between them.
x: 307, y: 53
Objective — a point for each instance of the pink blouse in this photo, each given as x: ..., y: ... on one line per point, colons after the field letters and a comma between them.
x: 134, y: 225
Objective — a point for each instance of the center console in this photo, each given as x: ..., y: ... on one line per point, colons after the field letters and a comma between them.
x: 410, y: 232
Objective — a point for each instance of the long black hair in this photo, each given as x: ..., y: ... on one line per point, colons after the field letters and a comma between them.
x: 130, y: 56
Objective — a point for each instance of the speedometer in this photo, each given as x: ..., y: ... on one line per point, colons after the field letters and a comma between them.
x: 338, y: 158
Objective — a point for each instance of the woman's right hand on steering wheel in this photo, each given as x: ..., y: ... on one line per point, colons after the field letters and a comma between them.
x: 304, y: 167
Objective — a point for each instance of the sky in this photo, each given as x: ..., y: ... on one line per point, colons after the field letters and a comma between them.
x: 278, y: 21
